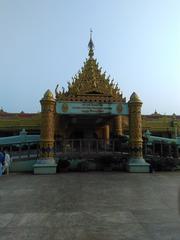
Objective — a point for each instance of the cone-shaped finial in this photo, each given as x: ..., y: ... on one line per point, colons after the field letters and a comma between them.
x: 48, y: 95
x: 91, y: 46
x: 134, y: 98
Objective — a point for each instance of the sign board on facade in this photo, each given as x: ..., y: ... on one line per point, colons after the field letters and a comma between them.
x: 91, y: 108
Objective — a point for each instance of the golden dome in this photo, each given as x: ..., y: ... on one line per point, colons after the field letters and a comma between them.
x: 48, y: 95
x: 134, y: 98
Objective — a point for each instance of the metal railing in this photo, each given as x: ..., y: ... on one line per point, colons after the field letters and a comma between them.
x: 89, y: 146
x: 22, y: 152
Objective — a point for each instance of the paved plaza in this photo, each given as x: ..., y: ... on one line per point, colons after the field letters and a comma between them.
x: 90, y: 206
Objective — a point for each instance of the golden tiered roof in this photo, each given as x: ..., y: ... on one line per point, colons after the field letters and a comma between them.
x: 90, y: 84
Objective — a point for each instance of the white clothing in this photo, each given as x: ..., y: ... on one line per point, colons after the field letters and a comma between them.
x: 7, y: 160
x: 7, y: 163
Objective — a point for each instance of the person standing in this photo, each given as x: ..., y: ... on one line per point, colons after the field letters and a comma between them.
x: 7, y: 162
x: 2, y: 159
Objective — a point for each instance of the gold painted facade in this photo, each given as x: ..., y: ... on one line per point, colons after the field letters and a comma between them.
x: 13, y: 123
x: 90, y: 85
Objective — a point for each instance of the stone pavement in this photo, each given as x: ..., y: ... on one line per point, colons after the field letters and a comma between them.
x: 90, y: 206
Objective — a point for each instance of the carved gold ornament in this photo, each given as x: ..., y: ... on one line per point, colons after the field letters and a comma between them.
x: 91, y: 84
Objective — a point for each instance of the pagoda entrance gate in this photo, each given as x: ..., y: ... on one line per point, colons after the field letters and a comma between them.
x: 89, y: 127
x: 89, y: 130
x: 91, y: 107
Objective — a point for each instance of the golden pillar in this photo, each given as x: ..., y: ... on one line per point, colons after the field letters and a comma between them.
x: 47, y: 125
x: 106, y: 133
x: 118, y: 125
x: 136, y: 161
x: 46, y: 163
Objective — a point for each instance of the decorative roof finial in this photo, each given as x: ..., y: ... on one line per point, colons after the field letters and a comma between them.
x: 91, y: 45
x: 91, y: 33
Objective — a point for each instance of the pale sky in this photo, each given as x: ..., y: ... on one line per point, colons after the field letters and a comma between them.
x: 44, y: 43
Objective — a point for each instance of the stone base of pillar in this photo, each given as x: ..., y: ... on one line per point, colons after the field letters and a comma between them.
x: 45, y: 166
x: 138, y: 165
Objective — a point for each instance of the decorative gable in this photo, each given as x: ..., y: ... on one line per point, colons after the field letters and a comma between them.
x: 90, y: 84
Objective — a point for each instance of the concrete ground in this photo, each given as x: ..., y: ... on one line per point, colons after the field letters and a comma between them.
x: 90, y: 206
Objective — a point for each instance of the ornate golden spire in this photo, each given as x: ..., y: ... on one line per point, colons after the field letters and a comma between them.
x: 91, y: 46
x: 91, y: 84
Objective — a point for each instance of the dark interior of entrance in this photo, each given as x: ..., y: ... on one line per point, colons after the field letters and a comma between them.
x: 91, y: 140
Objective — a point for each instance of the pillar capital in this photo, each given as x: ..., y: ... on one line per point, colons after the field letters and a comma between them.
x: 48, y: 95
x: 47, y: 103
x: 135, y: 98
